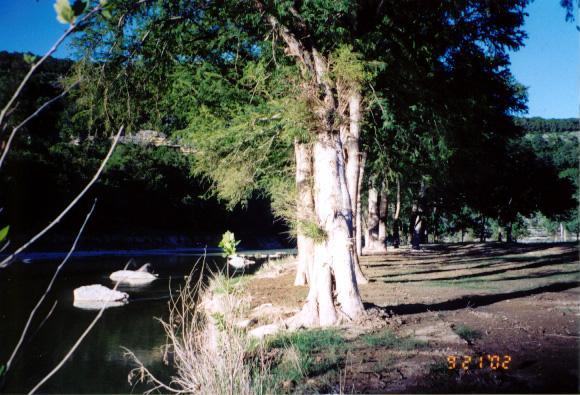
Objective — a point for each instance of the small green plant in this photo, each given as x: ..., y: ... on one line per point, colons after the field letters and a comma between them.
x: 228, y: 244
x: 466, y: 333
x: 4, y: 232
x: 389, y: 339
x: 220, y: 321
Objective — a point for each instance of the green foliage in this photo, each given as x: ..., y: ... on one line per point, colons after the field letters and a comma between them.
x: 64, y: 12
x: 388, y: 339
x: 29, y: 58
x: 228, y: 244
x: 4, y: 232
x: 313, y: 231
x: 220, y: 321
x: 466, y: 333
x: 250, y: 148
x: 347, y: 68
x: 541, y: 125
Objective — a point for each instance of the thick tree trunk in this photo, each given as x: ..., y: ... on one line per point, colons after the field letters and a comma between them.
x: 334, y: 256
x: 417, y: 219
x: 372, y: 222
x: 508, y: 231
x: 416, y: 229
x: 358, y: 217
x: 305, y: 212
x: 383, y: 211
x: 352, y: 164
x: 336, y: 249
x: 396, y: 221
x: 482, y: 229
x: 373, y: 242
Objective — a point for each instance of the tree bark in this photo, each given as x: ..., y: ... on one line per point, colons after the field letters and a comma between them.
x: 383, y: 211
x: 373, y: 243
x: 417, y: 219
x: 358, y: 217
x: 482, y: 229
x: 336, y: 249
x: 352, y: 164
x: 304, y: 212
x: 334, y: 255
x: 396, y: 221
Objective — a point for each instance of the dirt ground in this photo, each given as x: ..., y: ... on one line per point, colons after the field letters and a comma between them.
x: 520, y: 303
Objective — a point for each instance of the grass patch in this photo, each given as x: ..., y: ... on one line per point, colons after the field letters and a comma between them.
x: 389, y: 339
x: 222, y: 284
x: 305, y: 354
x: 309, y: 340
x: 466, y: 333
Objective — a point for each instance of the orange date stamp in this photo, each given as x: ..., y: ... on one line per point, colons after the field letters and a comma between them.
x: 467, y: 362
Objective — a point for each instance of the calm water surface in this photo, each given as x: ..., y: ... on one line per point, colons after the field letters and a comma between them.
x: 98, y: 365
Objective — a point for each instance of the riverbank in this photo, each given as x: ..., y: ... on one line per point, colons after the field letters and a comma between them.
x: 431, y: 316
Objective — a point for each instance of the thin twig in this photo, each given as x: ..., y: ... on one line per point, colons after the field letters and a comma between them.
x: 31, y: 116
x: 9, y: 259
x: 45, y: 318
x: 49, y: 287
x: 77, y: 343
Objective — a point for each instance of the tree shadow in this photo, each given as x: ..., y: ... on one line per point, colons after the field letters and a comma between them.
x: 535, y: 262
x: 472, y: 300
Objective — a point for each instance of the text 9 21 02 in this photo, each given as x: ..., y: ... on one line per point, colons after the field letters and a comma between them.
x: 490, y: 361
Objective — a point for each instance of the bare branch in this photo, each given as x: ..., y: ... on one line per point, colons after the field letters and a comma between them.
x: 9, y: 259
x: 49, y: 287
x: 31, y: 116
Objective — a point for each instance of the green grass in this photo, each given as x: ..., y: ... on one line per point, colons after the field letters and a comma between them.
x: 223, y: 284
x: 466, y: 333
x: 304, y: 354
x: 388, y: 339
x: 310, y: 340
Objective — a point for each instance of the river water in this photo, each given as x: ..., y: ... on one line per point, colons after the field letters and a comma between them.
x: 98, y: 365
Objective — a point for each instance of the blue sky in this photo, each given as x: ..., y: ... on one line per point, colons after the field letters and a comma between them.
x: 549, y: 64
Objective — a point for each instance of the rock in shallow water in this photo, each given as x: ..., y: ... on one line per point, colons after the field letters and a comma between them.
x: 133, y: 277
x: 96, y: 294
x: 239, y: 262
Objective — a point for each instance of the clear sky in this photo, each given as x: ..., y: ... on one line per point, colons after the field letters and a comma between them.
x: 549, y: 64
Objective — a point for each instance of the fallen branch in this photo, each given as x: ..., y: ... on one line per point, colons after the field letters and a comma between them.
x: 9, y: 258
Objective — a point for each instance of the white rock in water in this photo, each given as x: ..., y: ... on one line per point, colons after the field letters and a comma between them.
x: 94, y: 305
x: 98, y: 293
x: 134, y: 277
x: 239, y: 262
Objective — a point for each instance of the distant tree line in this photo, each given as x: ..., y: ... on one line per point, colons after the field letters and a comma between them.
x: 543, y: 125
